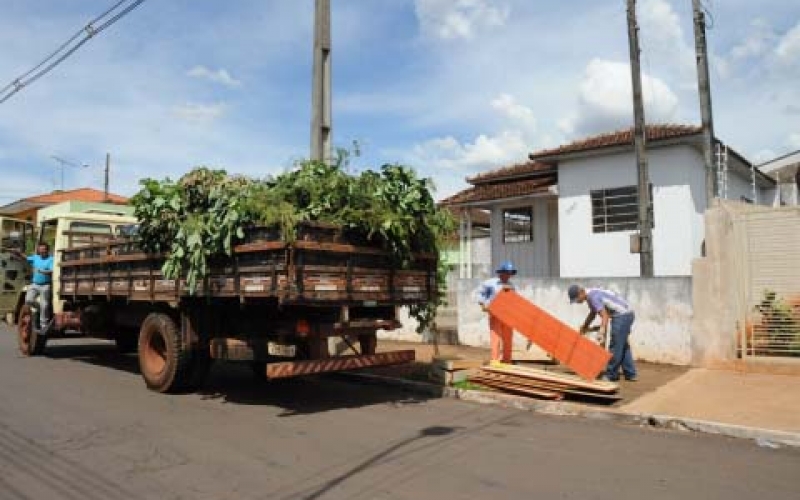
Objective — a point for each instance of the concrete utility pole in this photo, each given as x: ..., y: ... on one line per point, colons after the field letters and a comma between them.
x: 321, y: 123
x: 704, y: 86
x: 639, y: 140
x: 108, y: 167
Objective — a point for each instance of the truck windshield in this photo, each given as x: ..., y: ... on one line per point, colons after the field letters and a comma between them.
x: 48, y: 233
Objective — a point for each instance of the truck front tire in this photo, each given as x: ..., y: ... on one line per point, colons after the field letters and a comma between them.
x: 164, y: 360
x: 30, y: 343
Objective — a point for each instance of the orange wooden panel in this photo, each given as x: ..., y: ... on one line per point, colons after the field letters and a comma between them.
x: 565, y: 344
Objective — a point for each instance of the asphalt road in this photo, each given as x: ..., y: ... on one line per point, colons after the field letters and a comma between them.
x: 79, y: 424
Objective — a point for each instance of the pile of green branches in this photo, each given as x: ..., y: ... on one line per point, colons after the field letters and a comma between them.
x: 202, y: 215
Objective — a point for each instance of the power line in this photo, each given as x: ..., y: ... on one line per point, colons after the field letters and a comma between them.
x: 66, y: 49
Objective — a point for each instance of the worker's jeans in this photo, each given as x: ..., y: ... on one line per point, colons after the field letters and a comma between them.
x: 621, y: 355
x: 44, y: 295
x: 500, y: 333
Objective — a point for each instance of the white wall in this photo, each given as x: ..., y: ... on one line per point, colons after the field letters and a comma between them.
x: 677, y: 202
x: 661, y: 332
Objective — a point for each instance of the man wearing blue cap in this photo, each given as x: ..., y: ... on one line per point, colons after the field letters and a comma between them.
x: 499, y: 332
x: 610, y: 307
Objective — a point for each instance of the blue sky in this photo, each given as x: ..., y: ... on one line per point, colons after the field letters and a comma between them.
x: 451, y: 87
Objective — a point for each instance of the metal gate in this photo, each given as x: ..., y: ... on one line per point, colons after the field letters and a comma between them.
x: 768, y: 258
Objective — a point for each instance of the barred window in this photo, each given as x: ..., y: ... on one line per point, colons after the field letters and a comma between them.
x: 518, y: 225
x: 616, y: 209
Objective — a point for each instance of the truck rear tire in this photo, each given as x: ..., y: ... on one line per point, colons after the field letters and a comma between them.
x: 165, y: 362
x: 29, y: 341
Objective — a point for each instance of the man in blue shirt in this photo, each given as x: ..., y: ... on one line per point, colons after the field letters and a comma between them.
x: 41, y: 283
x: 499, y: 332
x: 610, y: 307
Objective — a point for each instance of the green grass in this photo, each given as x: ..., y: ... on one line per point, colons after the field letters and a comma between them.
x: 466, y: 384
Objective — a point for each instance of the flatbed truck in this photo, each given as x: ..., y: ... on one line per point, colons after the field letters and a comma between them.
x: 277, y: 305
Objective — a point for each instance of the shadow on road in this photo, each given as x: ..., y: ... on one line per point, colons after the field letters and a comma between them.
x: 235, y: 383
x: 423, y: 449
x: 100, y: 354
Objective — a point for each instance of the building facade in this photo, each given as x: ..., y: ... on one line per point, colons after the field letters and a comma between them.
x: 571, y: 211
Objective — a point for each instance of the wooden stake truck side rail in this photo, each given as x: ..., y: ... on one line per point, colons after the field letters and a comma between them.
x: 304, y: 272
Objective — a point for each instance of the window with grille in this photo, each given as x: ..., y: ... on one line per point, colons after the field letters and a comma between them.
x: 616, y: 209
x: 518, y: 225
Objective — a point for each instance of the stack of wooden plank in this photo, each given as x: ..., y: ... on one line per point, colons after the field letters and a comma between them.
x: 543, y: 384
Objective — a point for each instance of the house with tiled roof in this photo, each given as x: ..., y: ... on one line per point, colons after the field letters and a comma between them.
x: 785, y: 170
x: 27, y: 208
x: 570, y: 211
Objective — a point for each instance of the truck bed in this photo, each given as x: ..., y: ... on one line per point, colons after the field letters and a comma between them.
x: 320, y: 268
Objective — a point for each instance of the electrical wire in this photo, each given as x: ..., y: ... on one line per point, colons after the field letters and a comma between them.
x: 69, y: 47
x: 706, y: 6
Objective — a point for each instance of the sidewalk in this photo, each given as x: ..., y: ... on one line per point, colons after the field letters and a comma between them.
x: 741, y: 400
x: 749, y: 399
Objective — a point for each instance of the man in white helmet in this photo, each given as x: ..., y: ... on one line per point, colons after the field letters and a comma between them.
x: 499, y: 332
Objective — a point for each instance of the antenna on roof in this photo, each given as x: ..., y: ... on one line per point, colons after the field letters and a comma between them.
x: 63, y: 163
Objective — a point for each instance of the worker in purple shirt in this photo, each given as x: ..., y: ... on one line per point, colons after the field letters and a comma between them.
x: 611, y: 308
x: 499, y: 332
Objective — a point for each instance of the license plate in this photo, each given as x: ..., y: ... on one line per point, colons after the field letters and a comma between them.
x: 284, y: 350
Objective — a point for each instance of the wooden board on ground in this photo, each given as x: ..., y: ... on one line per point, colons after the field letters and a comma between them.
x: 536, y: 384
x: 564, y: 343
x: 517, y: 389
x: 553, y: 377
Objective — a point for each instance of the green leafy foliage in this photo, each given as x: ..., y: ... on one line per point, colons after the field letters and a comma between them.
x: 206, y: 212
x: 780, y: 320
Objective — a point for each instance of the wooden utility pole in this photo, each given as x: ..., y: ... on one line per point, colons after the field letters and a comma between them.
x: 704, y: 86
x: 639, y: 140
x: 105, y: 184
x: 321, y: 123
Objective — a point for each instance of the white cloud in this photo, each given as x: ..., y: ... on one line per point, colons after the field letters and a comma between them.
x: 200, y: 113
x: 454, y: 19
x: 788, y: 50
x: 606, y: 99
x: 486, y: 151
x: 757, y: 42
x: 662, y: 37
x: 794, y: 141
x: 220, y: 76
x: 511, y: 144
x: 516, y: 112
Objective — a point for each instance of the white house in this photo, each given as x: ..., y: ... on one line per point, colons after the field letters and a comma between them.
x: 786, y: 172
x: 570, y: 211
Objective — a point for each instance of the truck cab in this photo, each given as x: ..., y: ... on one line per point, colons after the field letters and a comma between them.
x: 61, y: 226
x: 71, y: 230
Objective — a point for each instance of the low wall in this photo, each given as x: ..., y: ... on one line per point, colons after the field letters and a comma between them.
x: 663, y: 308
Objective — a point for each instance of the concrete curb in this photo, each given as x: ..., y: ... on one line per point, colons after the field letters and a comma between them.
x: 764, y: 437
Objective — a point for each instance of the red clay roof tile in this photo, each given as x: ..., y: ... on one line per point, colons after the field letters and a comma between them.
x: 488, y: 192
x: 512, y: 171
x: 618, y: 138
x: 82, y: 194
